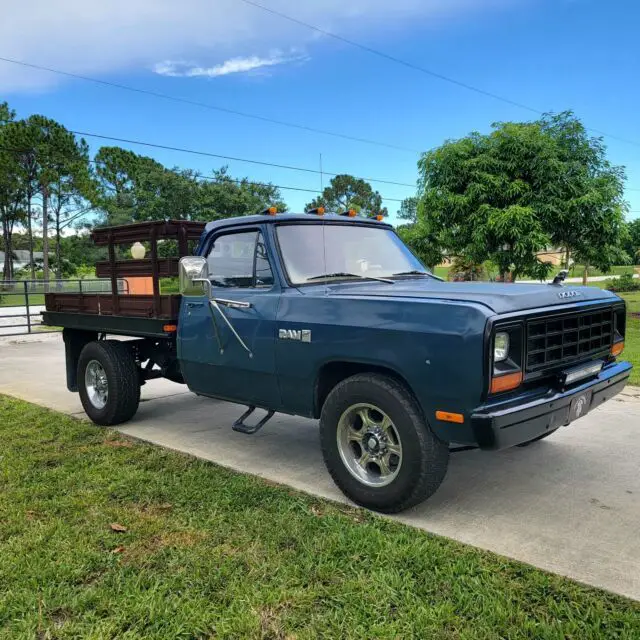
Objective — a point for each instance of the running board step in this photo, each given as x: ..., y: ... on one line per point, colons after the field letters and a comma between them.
x: 240, y: 426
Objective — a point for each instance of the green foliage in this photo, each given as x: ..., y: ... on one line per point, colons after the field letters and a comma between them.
x: 632, y: 240
x: 626, y: 282
x: 134, y: 188
x: 507, y: 195
x: 424, y: 244
x: 463, y: 269
x: 347, y: 192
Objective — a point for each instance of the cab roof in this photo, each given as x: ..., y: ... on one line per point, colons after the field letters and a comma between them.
x: 292, y: 217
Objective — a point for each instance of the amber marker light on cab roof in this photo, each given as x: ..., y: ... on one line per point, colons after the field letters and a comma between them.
x: 351, y: 213
x: 506, y: 383
x: 447, y: 416
x: 617, y: 348
x: 379, y: 217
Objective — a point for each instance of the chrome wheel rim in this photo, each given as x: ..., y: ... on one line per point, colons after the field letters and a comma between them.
x: 95, y: 382
x: 369, y: 445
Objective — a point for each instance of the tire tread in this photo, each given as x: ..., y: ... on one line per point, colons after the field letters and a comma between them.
x: 434, y: 457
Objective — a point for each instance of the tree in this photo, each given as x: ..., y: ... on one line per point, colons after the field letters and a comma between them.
x: 583, y: 207
x: 632, y: 240
x: 347, y: 192
x: 417, y: 235
x: 223, y: 196
x: 11, y: 191
x: 508, y: 195
x: 409, y: 209
x: 53, y: 164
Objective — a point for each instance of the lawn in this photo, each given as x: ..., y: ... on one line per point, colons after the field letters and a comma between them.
x: 632, y: 339
x: 104, y: 537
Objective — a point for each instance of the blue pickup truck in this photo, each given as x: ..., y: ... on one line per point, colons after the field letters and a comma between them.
x: 332, y: 317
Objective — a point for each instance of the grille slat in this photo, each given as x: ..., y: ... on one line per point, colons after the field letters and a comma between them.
x: 560, y: 339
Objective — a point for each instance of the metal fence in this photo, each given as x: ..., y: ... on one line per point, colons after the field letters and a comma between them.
x: 21, y: 301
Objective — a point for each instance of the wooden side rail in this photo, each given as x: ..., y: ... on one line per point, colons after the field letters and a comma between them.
x: 167, y: 268
x: 140, y: 306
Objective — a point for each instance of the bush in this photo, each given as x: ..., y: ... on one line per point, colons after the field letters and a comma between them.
x: 465, y: 270
x: 626, y: 282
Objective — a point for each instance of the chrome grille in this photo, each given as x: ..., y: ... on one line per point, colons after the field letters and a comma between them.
x: 560, y: 339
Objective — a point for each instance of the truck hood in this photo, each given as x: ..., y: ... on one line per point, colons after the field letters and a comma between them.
x: 499, y: 297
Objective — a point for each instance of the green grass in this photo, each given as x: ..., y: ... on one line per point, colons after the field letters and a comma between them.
x: 632, y: 339
x: 208, y: 553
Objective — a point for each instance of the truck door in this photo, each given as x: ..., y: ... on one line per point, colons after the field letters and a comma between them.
x: 233, y: 357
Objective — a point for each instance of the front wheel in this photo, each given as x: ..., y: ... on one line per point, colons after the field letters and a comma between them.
x: 377, y: 446
x: 108, y: 382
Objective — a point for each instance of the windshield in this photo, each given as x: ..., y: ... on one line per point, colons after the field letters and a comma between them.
x: 348, y: 251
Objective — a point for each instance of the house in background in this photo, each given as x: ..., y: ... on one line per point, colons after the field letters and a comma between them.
x: 21, y: 259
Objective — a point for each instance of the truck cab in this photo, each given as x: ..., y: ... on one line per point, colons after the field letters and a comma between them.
x: 332, y: 317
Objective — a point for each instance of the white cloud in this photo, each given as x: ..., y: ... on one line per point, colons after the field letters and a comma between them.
x: 180, y: 68
x: 120, y: 36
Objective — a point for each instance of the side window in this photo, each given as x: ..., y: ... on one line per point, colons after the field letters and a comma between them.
x: 239, y: 260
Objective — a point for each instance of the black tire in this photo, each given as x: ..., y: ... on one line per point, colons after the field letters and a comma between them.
x: 424, y: 457
x: 122, y: 382
x: 537, y: 438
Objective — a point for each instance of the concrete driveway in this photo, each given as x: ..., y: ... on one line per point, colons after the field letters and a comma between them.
x: 570, y: 504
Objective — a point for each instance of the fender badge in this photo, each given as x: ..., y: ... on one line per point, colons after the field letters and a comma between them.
x: 569, y: 294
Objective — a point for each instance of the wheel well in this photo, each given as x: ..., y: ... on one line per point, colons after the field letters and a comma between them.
x: 333, y: 373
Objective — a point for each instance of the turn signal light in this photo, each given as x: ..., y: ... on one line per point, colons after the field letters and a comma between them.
x: 447, y: 416
x: 617, y: 348
x: 169, y: 328
x: 506, y: 382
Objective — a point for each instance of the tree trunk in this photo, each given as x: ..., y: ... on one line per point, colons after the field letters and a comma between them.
x: 58, y: 265
x: 45, y: 236
x: 567, y: 256
x: 30, y: 232
x: 585, y: 274
x: 8, y: 261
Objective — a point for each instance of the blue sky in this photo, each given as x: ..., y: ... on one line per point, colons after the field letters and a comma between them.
x: 550, y: 54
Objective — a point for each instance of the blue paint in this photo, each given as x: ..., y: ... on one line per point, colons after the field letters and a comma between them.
x: 431, y: 334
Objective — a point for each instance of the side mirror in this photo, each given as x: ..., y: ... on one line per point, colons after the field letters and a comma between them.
x: 192, y: 271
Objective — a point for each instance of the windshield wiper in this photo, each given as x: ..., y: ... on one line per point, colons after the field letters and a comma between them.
x: 343, y: 274
x: 415, y: 272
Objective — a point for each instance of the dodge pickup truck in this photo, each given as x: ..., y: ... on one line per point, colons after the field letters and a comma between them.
x: 332, y: 317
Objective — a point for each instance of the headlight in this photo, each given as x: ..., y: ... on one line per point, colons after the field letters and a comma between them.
x: 500, y: 347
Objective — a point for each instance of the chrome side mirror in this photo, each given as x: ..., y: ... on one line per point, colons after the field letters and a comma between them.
x: 192, y: 271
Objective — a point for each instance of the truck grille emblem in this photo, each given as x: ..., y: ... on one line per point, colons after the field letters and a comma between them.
x: 302, y: 335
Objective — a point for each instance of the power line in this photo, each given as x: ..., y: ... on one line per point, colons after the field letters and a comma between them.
x: 221, y: 181
x: 205, y: 105
x: 234, y: 158
x: 416, y: 67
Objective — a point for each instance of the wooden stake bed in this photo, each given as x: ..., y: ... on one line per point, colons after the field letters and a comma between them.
x: 82, y: 310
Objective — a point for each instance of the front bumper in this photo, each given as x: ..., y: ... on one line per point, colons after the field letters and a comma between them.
x: 498, y: 426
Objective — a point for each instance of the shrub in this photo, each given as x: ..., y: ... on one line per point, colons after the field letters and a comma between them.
x: 626, y: 282
x: 465, y: 270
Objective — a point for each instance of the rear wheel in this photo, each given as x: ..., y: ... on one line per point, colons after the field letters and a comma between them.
x: 108, y: 382
x: 377, y: 446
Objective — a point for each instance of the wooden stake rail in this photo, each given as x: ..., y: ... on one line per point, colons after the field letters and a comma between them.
x: 139, y: 306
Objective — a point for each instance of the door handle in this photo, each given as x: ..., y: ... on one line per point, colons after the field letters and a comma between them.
x: 233, y: 304
x: 190, y: 305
